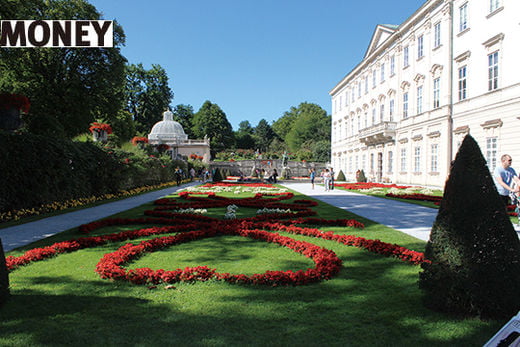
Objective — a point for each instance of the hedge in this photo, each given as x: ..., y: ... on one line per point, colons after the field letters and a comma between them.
x: 37, y: 170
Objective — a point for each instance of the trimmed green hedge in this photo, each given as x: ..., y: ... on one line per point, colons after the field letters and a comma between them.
x: 37, y: 170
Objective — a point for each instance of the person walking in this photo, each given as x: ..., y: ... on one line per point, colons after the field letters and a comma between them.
x: 274, y: 174
x: 178, y: 175
x: 326, y: 179
x: 312, y: 175
x: 331, y: 179
x: 504, y: 176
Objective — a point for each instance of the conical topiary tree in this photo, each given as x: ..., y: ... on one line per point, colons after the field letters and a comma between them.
x: 473, y: 248
x: 361, y: 177
x: 341, y: 176
x: 4, y: 277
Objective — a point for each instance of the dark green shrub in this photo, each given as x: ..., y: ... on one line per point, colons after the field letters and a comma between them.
x: 341, y: 176
x: 360, y: 176
x: 37, y: 170
x: 473, y: 248
x: 4, y: 277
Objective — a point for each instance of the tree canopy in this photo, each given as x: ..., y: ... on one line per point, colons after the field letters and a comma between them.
x: 184, y: 115
x: 264, y: 135
x: 70, y: 87
x: 211, y: 121
x: 147, y: 94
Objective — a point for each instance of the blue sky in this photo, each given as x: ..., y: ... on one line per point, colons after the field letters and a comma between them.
x: 254, y: 58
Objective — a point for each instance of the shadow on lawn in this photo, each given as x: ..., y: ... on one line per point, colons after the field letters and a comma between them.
x: 348, y: 310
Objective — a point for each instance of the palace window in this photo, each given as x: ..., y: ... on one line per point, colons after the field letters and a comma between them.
x: 373, y: 116
x: 493, y: 71
x: 405, y: 105
x: 417, y: 159
x: 462, y: 83
x: 391, y: 109
x: 436, y: 92
x: 392, y: 65
x: 491, y: 152
x: 463, y: 17
x: 381, y: 113
x: 419, y: 99
x: 420, y: 46
x: 406, y: 52
x: 434, y: 158
x: 494, y: 5
x: 382, y: 72
x: 366, y: 85
x: 437, y: 35
x: 390, y: 162
x: 403, y: 159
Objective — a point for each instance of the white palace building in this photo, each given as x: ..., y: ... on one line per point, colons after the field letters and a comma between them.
x: 451, y: 69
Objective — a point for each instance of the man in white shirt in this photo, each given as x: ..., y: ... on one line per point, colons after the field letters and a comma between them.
x: 504, y: 176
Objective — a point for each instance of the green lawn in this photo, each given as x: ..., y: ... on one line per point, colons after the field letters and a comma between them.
x: 374, y: 300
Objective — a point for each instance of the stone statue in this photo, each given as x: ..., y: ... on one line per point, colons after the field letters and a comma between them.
x: 285, y: 159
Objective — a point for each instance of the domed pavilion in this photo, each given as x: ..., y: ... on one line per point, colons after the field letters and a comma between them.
x: 171, y: 133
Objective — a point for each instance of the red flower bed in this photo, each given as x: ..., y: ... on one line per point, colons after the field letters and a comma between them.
x: 417, y: 196
x: 191, y: 227
x: 367, y: 185
x: 110, y: 266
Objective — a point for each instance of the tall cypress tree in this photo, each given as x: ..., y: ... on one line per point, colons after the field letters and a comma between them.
x: 473, y: 248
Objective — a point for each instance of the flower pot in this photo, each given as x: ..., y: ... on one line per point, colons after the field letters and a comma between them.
x: 10, y: 119
x: 100, y: 135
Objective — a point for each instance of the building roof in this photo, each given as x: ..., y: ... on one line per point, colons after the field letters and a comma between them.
x: 168, y: 130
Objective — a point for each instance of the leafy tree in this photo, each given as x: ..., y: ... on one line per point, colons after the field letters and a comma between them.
x: 184, y: 115
x: 473, y: 249
x: 278, y: 146
x: 244, y: 136
x: 123, y: 125
x: 70, y: 87
x: 147, y: 95
x: 320, y: 151
x: 283, y: 125
x: 263, y: 135
x: 211, y: 121
x: 312, y: 123
x: 245, y: 127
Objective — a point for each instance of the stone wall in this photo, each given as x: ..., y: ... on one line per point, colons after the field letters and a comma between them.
x: 298, y: 169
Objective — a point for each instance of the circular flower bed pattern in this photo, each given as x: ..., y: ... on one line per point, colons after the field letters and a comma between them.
x: 186, y: 227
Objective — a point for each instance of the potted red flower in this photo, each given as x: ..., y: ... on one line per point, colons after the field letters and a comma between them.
x: 139, y: 140
x: 100, y: 131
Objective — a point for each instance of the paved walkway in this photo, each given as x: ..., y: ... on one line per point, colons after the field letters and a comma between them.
x: 411, y: 219
x: 23, y: 234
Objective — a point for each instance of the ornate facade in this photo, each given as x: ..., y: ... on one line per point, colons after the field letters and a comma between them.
x: 450, y: 69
